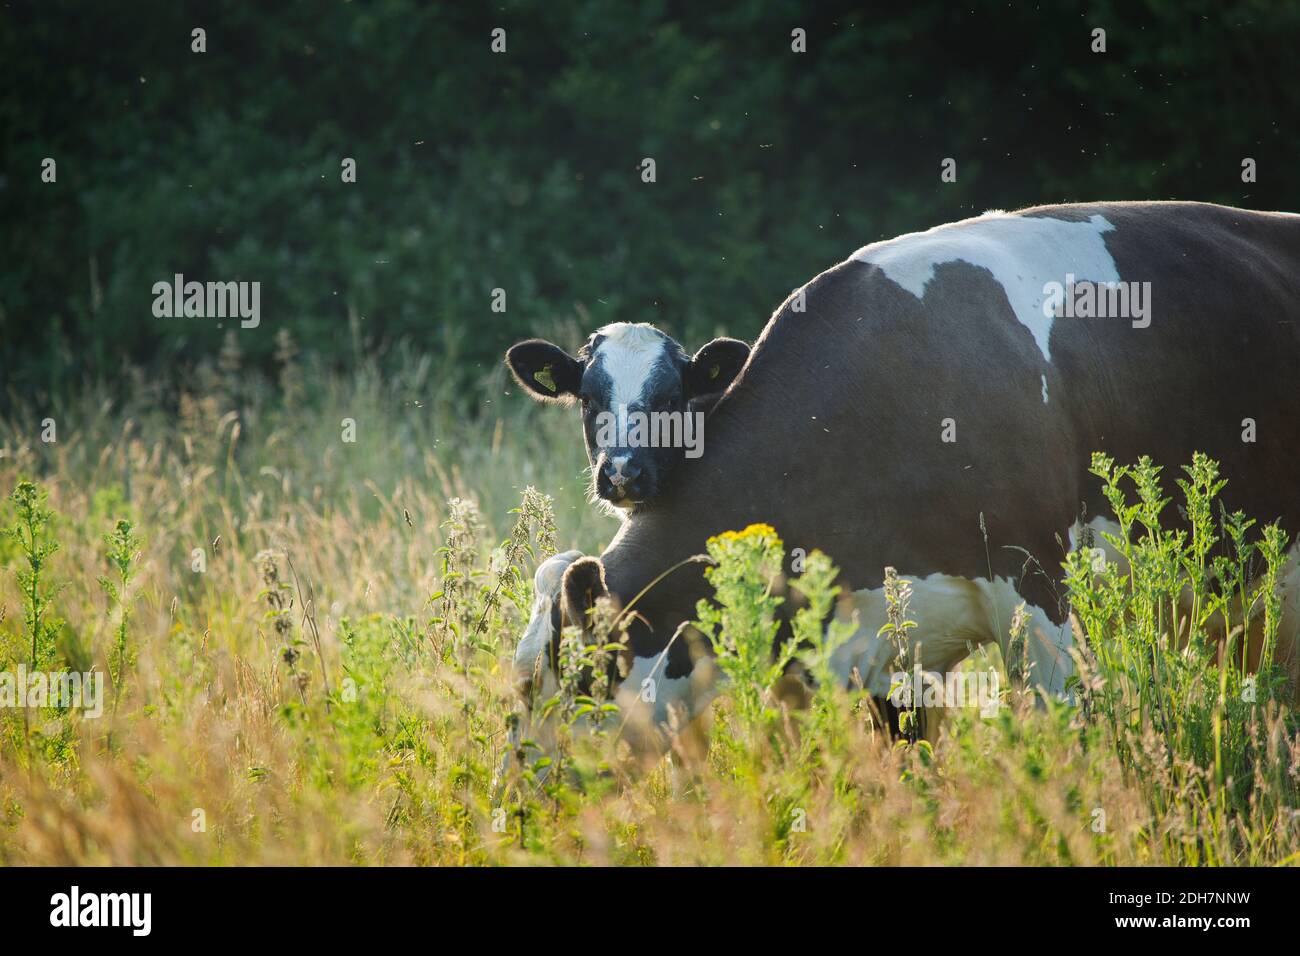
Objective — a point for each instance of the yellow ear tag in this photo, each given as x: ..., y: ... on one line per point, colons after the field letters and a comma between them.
x: 544, y: 378
x: 713, y: 372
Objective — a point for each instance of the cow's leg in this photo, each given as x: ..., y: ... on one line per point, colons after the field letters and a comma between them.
x: 651, y: 702
x: 533, y: 666
x: 1047, y: 645
x: 953, y: 617
x: 948, y: 613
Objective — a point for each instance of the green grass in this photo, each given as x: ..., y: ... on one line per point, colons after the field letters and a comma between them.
x: 332, y: 686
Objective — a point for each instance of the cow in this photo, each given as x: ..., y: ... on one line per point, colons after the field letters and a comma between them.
x: 626, y: 370
x: 932, y: 403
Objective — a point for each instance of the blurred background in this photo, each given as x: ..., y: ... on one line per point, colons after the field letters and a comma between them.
x: 521, y: 170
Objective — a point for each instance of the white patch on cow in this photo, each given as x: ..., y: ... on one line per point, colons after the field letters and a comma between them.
x: 954, y: 616
x: 667, y: 692
x: 628, y: 354
x: 1093, y: 530
x: 537, y: 637
x: 1023, y: 253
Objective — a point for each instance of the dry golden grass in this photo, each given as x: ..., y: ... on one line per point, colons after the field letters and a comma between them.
x: 397, y: 765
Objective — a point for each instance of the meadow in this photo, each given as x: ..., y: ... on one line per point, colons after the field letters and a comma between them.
x: 306, y: 645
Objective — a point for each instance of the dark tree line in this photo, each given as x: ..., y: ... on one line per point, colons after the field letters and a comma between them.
x: 521, y: 170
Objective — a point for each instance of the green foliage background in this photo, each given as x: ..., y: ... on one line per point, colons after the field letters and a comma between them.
x: 520, y: 170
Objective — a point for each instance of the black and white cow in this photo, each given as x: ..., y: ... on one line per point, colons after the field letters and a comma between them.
x: 626, y: 370
x: 934, y: 403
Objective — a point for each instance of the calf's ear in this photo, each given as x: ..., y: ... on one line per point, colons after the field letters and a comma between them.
x: 715, y: 366
x: 584, y: 582
x: 546, y: 371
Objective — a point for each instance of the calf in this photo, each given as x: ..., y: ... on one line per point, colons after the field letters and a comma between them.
x: 643, y: 401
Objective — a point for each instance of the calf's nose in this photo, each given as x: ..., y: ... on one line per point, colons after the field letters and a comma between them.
x: 620, y: 471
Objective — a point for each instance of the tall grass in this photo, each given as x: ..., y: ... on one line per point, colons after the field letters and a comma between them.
x: 306, y: 644
x: 1168, y: 672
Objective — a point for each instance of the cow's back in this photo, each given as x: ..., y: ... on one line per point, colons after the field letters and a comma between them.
x: 1213, y: 369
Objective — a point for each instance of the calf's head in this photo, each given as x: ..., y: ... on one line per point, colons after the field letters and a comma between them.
x: 642, y: 397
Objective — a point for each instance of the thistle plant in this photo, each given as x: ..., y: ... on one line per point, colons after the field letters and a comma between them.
x: 1016, y: 663
x: 279, y: 602
x: 453, y: 602
x: 588, y: 656
x: 123, y: 548
x: 534, y: 525
x: 898, y: 597
x: 35, y: 543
